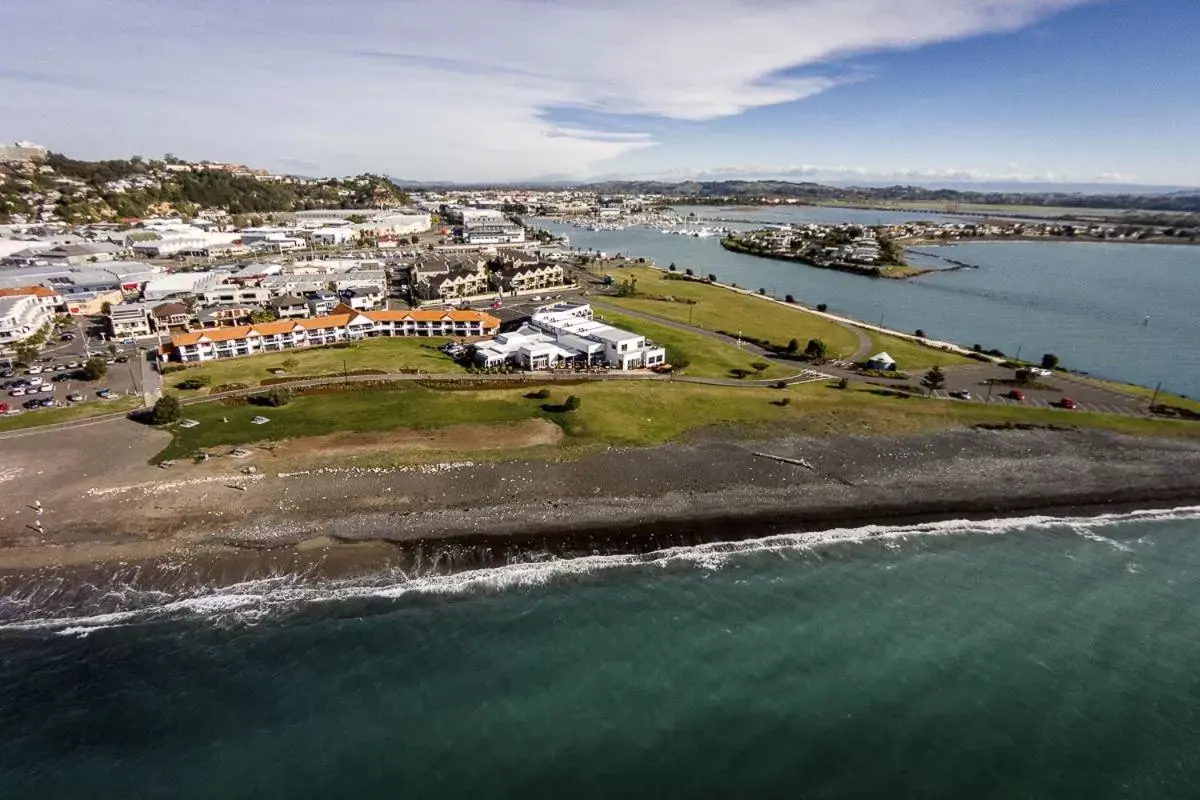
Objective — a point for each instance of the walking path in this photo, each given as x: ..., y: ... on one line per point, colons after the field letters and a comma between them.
x: 804, y: 376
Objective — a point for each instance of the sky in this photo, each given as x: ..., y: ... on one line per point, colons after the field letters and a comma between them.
x: 869, y: 91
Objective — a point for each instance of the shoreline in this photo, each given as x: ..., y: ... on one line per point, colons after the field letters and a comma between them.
x: 196, y: 534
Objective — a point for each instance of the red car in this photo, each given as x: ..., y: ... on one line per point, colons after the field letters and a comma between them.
x: 1016, y: 394
x: 1068, y: 404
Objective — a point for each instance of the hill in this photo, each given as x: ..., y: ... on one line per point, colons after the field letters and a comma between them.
x: 66, y: 189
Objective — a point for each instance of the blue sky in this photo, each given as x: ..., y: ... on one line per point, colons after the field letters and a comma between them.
x: 913, y: 91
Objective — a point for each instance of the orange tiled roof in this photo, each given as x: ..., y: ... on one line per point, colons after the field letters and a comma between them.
x: 36, y: 291
x: 332, y: 321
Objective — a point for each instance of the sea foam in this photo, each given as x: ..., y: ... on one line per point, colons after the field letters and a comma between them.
x: 253, y: 601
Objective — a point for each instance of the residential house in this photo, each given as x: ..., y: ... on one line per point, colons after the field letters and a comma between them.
x: 225, y: 315
x: 363, y: 298
x: 453, y: 285
x: 227, y: 293
x: 322, y: 303
x: 129, y: 320
x: 170, y: 315
x: 514, y: 280
x: 289, y: 307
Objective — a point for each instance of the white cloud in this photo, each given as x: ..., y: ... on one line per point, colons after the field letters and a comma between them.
x: 425, y: 91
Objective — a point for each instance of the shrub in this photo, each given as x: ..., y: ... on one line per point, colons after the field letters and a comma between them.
x: 783, y: 401
x: 822, y: 307
x: 167, y: 369
x: 290, y: 363
x: 540, y: 394
x: 1049, y: 361
x: 712, y: 277
x: 198, y: 382
x: 789, y: 299
x: 166, y: 410
x: 275, y: 398
x: 793, y: 346
x: 573, y: 403
x: 671, y: 266
x: 815, y: 349
x: 843, y: 384
x: 759, y: 366
x: 920, y: 333
x: 689, y: 272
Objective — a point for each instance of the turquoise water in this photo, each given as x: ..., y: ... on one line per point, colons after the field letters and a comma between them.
x: 1086, y: 302
x: 1034, y: 658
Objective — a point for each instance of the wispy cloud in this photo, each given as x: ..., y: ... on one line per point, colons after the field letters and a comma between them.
x: 427, y: 91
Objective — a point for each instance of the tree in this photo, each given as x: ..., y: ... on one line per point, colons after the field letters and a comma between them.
x: 934, y: 379
x: 821, y: 307
x: 166, y: 410
x: 106, y: 308
x: 111, y: 348
x: 762, y: 291
x: 262, y: 315
x: 689, y: 272
x: 573, y: 403
x: 671, y: 266
x: 789, y: 299
x: 815, y: 349
x: 920, y: 333
x: 95, y: 369
x: 712, y: 277
x: 759, y: 366
x: 414, y: 239
x: 27, y: 352
x: 793, y: 346
x: 1049, y: 361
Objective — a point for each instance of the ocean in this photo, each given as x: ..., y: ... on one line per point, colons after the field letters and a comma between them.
x: 1086, y: 302
x: 1032, y: 658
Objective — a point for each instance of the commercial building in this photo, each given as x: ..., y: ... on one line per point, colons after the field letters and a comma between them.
x: 492, y: 232
x: 346, y: 325
x: 90, y: 304
x: 180, y: 284
x: 566, y: 335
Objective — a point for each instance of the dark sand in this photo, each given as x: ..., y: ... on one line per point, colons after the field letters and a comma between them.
x: 109, y: 516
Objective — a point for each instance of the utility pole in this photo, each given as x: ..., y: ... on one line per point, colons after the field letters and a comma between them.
x: 1018, y: 355
x: 1154, y: 399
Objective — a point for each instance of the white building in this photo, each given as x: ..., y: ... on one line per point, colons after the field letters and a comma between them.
x: 492, y: 232
x: 21, y: 152
x: 129, y: 320
x: 229, y: 293
x: 566, y: 335
x: 180, y: 284
x: 21, y: 316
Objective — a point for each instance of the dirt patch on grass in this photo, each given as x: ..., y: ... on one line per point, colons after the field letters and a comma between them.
x: 466, y: 438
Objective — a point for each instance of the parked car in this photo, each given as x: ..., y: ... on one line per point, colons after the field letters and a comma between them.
x: 17, y: 391
x: 8, y: 373
x: 34, y: 403
x: 1045, y: 373
x: 1016, y: 394
x: 46, y: 388
x: 122, y: 359
x: 34, y: 370
x: 12, y: 412
x: 961, y: 394
x: 1068, y: 404
x: 48, y: 403
x: 74, y: 365
x: 105, y: 393
x: 60, y: 367
x: 34, y: 382
x: 67, y: 337
x: 75, y: 397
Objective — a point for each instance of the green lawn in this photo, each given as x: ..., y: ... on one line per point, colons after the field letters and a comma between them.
x: 626, y: 413
x: 911, y: 356
x: 720, y: 309
x: 706, y: 357
x: 49, y: 416
x: 389, y: 354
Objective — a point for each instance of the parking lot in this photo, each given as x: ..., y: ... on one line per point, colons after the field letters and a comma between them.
x: 1087, y: 397
x: 60, y: 366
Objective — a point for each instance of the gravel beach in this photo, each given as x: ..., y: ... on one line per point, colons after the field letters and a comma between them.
x: 102, y: 505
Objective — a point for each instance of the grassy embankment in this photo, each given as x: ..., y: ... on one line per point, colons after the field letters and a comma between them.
x: 1142, y: 392
x: 50, y: 416
x: 388, y: 355
x: 625, y: 414
x: 705, y: 357
x: 717, y: 309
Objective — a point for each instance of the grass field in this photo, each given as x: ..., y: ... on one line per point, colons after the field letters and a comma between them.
x: 1144, y: 392
x: 391, y: 355
x: 707, y: 358
x: 911, y: 356
x: 722, y: 309
x: 626, y: 413
x: 50, y: 416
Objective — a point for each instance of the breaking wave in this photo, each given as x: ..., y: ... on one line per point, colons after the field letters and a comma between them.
x: 257, y: 600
